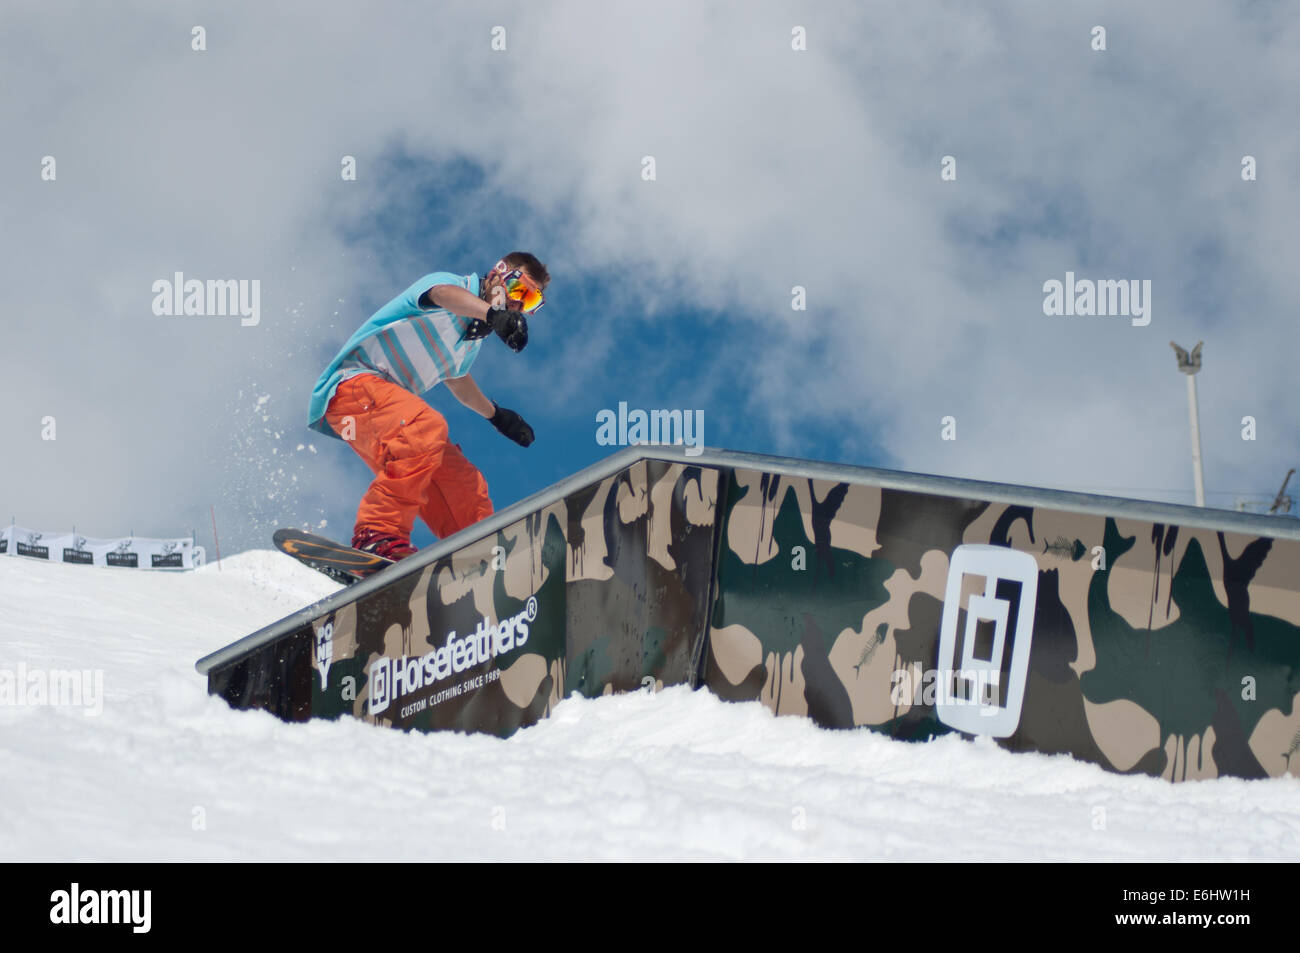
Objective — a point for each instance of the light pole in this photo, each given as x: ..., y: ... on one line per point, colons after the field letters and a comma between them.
x: 1189, y: 364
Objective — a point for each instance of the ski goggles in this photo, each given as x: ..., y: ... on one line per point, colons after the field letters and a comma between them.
x: 519, y: 288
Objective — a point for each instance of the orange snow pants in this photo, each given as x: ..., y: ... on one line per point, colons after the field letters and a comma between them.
x: 417, y: 471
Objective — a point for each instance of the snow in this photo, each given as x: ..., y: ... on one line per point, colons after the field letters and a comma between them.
x: 166, y: 772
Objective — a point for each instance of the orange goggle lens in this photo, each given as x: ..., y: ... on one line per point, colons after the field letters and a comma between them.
x: 518, y: 289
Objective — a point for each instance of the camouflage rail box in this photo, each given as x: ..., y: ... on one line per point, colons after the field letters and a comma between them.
x: 1145, y: 638
x: 605, y: 589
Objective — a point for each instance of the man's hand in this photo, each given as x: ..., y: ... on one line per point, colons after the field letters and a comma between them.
x: 510, y: 326
x: 512, y: 425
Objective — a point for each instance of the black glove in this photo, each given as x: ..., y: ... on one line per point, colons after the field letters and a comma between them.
x: 510, y: 326
x: 512, y: 425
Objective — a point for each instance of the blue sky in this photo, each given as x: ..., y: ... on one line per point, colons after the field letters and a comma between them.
x: 775, y: 167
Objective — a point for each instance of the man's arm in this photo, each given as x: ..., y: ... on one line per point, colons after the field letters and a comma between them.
x: 507, y: 422
x: 510, y: 326
x: 456, y: 300
x: 466, y: 391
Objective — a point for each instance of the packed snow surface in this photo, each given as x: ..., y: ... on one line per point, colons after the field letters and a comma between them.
x: 166, y: 772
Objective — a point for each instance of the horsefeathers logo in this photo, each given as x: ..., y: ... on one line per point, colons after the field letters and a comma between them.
x: 324, y: 654
x: 986, y: 629
x: 391, y: 678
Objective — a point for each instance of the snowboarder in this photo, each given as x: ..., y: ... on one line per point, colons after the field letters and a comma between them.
x: 369, y: 397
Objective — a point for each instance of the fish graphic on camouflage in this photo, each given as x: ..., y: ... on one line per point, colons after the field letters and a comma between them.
x: 873, y: 643
x: 1063, y: 548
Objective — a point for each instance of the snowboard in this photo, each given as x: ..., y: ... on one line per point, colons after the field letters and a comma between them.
x: 341, y: 563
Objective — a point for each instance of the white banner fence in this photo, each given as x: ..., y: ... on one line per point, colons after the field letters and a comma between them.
x: 129, y: 552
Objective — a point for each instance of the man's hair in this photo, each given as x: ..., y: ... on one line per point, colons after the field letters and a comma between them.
x: 528, y: 261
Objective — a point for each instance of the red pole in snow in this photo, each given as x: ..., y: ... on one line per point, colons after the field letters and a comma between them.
x: 215, y: 541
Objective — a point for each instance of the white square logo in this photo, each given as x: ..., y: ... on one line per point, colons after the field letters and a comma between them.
x: 973, y: 640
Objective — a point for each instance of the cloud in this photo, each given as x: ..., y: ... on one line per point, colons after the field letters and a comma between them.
x: 774, y: 168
